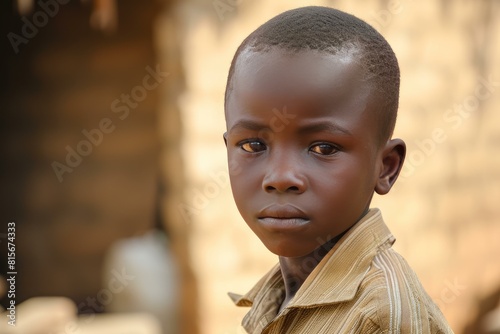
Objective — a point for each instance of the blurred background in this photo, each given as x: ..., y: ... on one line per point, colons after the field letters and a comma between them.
x: 113, y: 167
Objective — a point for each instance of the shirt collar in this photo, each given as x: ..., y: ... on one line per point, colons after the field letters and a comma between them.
x: 338, y: 275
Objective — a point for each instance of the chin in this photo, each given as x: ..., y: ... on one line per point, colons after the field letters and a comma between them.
x: 287, y: 250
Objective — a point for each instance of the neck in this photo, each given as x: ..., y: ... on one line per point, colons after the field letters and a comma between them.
x: 295, y: 270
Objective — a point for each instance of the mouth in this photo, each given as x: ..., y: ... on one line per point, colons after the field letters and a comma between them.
x: 282, y: 217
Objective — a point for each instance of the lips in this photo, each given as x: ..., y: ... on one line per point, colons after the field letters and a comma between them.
x: 282, y: 217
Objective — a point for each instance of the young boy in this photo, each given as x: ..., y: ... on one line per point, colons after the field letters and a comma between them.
x: 310, y: 105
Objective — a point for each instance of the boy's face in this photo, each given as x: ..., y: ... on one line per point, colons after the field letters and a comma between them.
x: 302, y: 141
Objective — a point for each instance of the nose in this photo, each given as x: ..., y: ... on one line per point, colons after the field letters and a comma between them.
x: 284, y: 176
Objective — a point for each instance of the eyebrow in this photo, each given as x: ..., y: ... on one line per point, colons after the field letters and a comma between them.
x: 247, y: 124
x: 324, y: 127
x: 309, y: 128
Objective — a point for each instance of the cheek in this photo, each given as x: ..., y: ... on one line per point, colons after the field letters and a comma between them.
x: 235, y: 167
x: 347, y: 179
x: 362, y: 181
x: 245, y: 178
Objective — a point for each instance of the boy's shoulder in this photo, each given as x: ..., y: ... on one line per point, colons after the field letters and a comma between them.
x: 401, y: 300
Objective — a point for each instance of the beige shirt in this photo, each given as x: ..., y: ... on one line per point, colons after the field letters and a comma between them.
x: 361, y: 286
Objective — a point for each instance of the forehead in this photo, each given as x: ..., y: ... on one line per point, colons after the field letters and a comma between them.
x: 283, y: 69
x: 307, y: 80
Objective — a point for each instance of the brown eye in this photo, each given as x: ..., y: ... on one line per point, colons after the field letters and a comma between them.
x: 253, y: 146
x: 324, y: 149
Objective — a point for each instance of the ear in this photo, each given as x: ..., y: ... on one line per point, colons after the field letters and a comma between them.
x: 393, y: 156
x: 224, y: 135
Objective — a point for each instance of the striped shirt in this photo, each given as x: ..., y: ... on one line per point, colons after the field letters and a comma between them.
x: 361, y: 286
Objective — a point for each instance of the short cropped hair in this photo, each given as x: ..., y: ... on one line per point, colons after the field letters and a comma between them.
x: 332, y: 31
